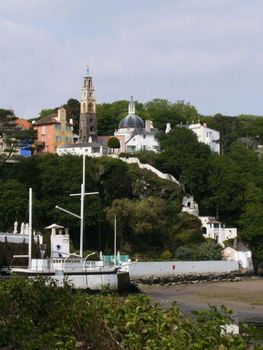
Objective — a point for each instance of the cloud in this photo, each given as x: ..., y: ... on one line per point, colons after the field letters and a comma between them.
x: 207, y: 52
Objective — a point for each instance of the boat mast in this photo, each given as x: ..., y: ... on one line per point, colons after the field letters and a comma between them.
x: 82, y: 197
x: 30, y: 230
x: 115, y: 240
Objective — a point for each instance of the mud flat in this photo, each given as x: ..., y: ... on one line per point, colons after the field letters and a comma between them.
x: 244, y: 297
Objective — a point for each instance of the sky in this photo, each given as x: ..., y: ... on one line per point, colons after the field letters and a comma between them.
x: 206, y: 52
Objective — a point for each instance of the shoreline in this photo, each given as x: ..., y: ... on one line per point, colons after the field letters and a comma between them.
x: 244, y: 297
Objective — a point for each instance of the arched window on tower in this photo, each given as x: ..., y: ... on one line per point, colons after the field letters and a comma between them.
x: 84, y: 107
x: 90, y: 84
x: 90, y: 107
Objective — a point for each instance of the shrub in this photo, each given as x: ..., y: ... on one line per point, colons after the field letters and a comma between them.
x: 166, y: 255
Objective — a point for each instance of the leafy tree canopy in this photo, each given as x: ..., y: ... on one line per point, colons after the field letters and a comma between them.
x: 113, y: 142
x: 12, y: 136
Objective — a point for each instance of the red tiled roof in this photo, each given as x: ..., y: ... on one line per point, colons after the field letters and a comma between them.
x: 24, y: 123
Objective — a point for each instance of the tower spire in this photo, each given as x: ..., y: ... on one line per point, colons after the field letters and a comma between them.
x: 88, y: 120
x: 87, y: 69
x: 131, y: 109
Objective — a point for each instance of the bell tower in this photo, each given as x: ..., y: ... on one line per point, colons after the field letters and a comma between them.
x: 88, y: 119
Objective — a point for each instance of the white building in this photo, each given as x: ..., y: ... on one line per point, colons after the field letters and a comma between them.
x: 90, y: 149
x: 133, y: 135
x: 239, y: 252
x: 206, y: 135
x: 211, y: 228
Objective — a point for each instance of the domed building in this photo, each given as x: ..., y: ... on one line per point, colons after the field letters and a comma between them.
x: 134, y: 134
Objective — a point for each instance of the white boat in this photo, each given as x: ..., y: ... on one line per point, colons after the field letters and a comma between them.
x: 61, y: 264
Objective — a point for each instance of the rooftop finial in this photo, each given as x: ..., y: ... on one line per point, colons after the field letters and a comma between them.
x: 131, y: 109
x: 87, y: 67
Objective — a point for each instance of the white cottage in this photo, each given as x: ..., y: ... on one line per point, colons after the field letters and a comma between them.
x: 211, y: 227
x: 206, y: 135
x: 239, y: 252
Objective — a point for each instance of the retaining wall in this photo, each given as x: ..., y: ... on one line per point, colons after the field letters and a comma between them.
x: 164, y: 268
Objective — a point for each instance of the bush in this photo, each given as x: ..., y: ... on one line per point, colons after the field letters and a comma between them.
x: 209, y: 250
x: 38, y: 314
x: 166, y: 255
x: 184, y: 253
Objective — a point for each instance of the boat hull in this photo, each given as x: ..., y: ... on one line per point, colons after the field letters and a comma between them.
x: 115, y: 280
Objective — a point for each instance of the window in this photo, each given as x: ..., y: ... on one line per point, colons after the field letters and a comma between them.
x: 58, y: 138
x: 57, y: 126
x: 90, y: 107
x: 131, y: 148
x: 144, y: 136
x: 68, y: 128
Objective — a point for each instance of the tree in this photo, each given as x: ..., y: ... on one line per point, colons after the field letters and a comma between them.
x: 44, y: 113
x: 251, y: 222
x: 162, y: 111
x: 187, y: 230
x: 73, y: 112
x: 209, y: 250
x: 110, y: 114
x: 12, y: 136
x: 185, y: 158
x: 224, y: 188
x: 141, y: 224
x: 13, y: 203
x: 114, y: 143
x: 123, y: 209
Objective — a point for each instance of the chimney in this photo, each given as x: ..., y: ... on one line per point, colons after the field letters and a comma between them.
x: 61, y: 114
x: 148, y: 125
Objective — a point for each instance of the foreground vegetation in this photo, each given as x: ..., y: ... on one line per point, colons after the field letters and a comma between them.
x: 37, y: 314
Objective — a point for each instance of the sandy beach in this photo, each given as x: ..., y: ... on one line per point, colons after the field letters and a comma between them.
x: 244, y: 297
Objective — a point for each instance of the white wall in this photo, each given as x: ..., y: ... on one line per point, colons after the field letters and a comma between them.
x: 139, y: 143
x: 163, y: 268
x: 79, y: 151
x: 134, y: 160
